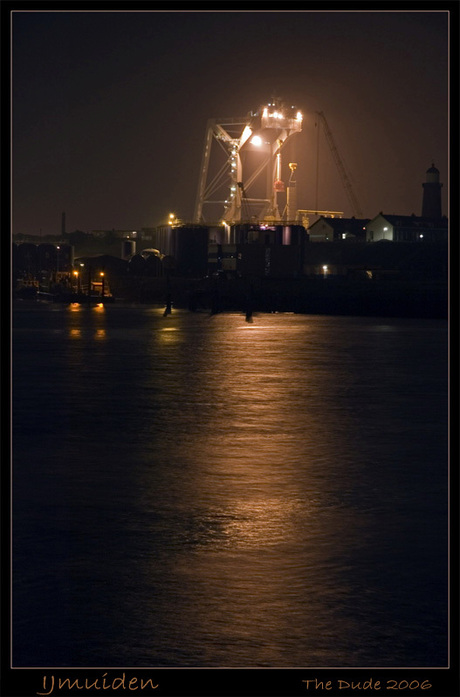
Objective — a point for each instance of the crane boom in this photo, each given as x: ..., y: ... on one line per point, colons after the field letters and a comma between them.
x: 342, y: 172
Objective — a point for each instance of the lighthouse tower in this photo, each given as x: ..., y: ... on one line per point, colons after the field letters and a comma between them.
x: 431, y: 206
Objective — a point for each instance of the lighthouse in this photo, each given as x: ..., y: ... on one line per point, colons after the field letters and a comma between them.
x: 431, y: 206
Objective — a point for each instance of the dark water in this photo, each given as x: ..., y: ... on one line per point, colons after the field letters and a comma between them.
x: 203, y: 491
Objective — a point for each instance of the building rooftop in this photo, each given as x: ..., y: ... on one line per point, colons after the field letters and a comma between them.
x: 340, y: 224
x: 415, y: 221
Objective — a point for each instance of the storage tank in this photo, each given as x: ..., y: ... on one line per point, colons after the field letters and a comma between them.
x: 136, y: 265
x: 153, y: 265
x: 128, y: 248
x: 191, y: 251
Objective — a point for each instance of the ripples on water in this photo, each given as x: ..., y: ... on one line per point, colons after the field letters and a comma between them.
x: 203, y: 491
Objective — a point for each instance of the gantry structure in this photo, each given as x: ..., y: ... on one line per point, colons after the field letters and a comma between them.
x: 242, y: 155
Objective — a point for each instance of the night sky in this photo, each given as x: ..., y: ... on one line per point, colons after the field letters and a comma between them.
x: 110, y: 108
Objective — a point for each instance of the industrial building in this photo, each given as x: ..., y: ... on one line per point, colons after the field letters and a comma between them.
x: 37, y: 259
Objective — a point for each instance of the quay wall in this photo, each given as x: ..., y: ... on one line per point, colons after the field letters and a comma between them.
x: 332, y: 296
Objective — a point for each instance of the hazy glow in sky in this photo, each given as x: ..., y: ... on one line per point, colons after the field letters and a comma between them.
x: 110, y: 108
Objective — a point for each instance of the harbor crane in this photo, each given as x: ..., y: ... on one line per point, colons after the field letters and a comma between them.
x: 248, y: 147
x: 356, y: 208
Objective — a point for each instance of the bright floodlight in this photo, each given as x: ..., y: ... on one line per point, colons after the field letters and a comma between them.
x: 256, y: 140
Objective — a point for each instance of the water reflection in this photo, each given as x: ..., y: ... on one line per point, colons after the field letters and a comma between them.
x: 264, y: 528
x: 232, y: 495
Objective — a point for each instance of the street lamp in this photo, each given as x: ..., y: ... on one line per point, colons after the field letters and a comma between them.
x: 103, y: 283
x: 77, y: 280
